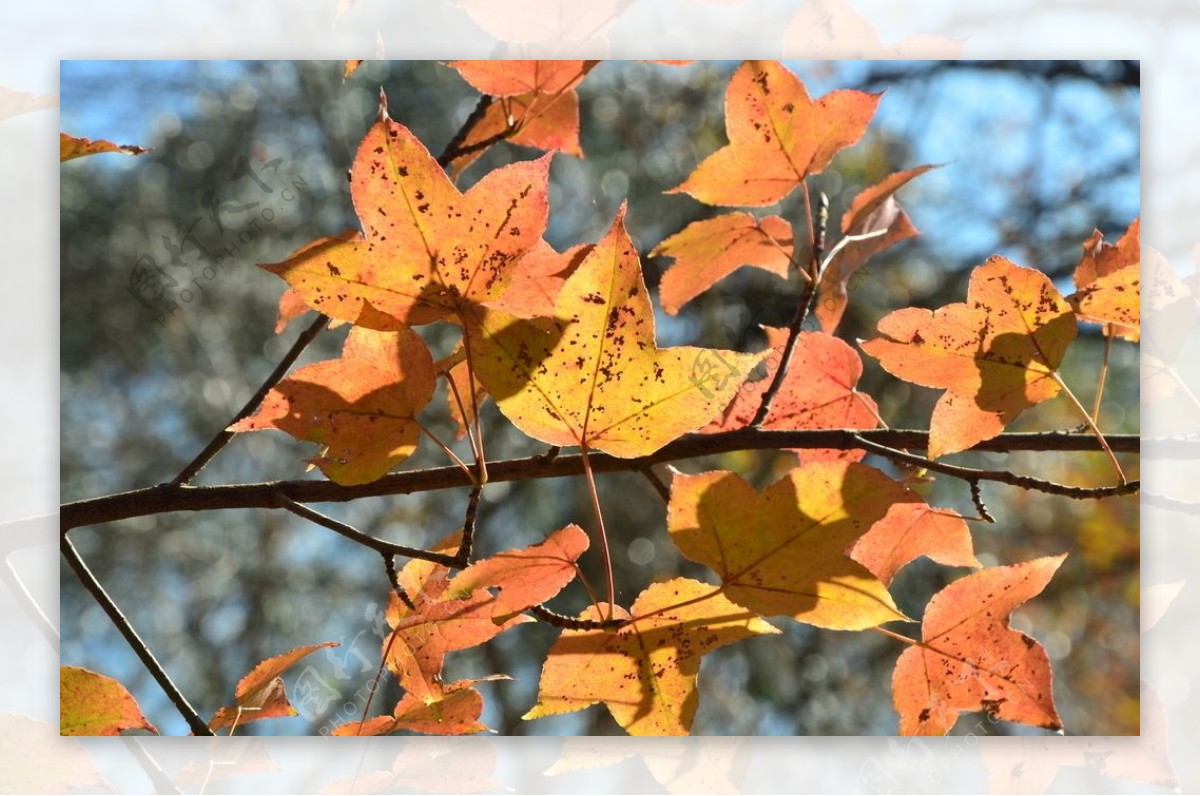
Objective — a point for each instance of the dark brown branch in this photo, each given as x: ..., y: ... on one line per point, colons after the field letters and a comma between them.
x: 143, y: 652
x: 389, y: 564
x: 974, y: 476
x: 173, y: 497
x: 571, y: 623
x: 222, y: 439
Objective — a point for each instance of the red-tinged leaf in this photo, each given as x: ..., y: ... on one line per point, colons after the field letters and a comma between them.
x: 456, y: 712
x: 874, y: 222
x: 441, y: 622
x: 996, y: 355
x: 525, y: 577
x: 1107, y: 282
x: 291, y: 305
x: 458, y: 396
x: 818, y: 392
x: 261, y: 694
x: 969, y: 657
x: 537, y: 280
x: 70, y: 147
x: 909, y: 531
x: 93, y: 704
x: 35, y: 759
x: 543, y: 121
x: 14, y: 103
x: 593, y: 375
x: 362, y: 407
x: 834, y: 30
x: 777, y: 137
x: 645, y: 671
x: 707, y: 251
x: 783, y: 552
x: 510, y: 78
x: 427, y: 250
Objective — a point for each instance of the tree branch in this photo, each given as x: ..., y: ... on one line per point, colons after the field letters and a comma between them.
x: 143, y: 652
x: 177, y: 497
x: 222, y: 439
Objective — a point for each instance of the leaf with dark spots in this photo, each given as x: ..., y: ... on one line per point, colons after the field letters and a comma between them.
x: 419, y: 259
x: 1107, y: 282
x: 777, y: 137
x: 995, y: 356
x: 531, y: 368
x: 645, y: 671
x: 969, y: 658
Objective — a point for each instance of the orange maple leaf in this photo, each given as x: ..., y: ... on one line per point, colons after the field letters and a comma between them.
x: 593, y: 375
x: 996, y: 355
x: 777, y: 137
x: 455, y: 613
x: 261, y: 693
x: 969, y: 657
x: 783, y: 552
x: 818, y: 391
x: 911, y: 530
x: 96, y: 704
x: 874, y: 222
x: 455, y: 711
x: 707, y: 251
x: 645, y: 671
x: 1107, y: 282
x: 361, y: 407
x: 70, y: 147
x: 427, y: 250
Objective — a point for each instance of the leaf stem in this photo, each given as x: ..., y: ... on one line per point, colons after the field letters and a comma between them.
x: 896, y: 636
x: 1092, y: 425
x: 608, y: 567
x: 1100, y: 380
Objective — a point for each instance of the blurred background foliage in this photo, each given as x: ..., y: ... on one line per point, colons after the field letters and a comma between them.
x: 1036, y: 155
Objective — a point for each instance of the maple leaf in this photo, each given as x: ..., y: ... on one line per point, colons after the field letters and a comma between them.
x: 777, y: 137
x: 427, y: 250
x: 969, y: 657
x: 645, y: 671
x: 95, y: 704
x: 707, y: 251
x: 456, y: 613
x: 361, y: 407
x: 783, y: 552
x: 537, y: 279
x: 1107, y: 282
x: 911, y: 530
x: 818, y: 392
x: 455, y: 712
x: 502, y: 78
x: 528, y: 576
x: 261, y: 693
x: 996, y: 355
x: 874, y: 222
x: 70, y: 147
x: 537, y: 106
x: 593, y: 375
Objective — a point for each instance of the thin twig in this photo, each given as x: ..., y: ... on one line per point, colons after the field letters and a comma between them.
x: 389, y: 565
x: 166, y: 498
x: 380, y: 546
x: 222, y: 439
x: 980, y: 506
x: 143, y: 652
x: 802, y: 304
x: 1108, y: 344
x: 973, y: 475
x: 468, y: 532
x: 659, y: 485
